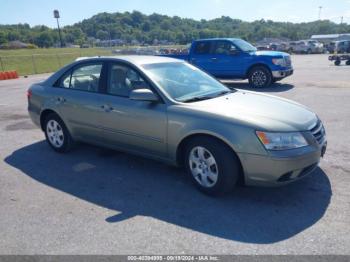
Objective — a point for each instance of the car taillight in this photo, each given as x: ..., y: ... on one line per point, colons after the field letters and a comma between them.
x: 29, y: 94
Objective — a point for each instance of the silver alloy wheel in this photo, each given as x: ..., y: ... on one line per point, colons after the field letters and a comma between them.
x: 203, y: 166
x: 55, y: 133
x: 259, y: 78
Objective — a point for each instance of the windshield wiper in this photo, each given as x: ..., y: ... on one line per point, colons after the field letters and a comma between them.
x: 196, y: 98
x: 222, y: 93
x: 201, y: 98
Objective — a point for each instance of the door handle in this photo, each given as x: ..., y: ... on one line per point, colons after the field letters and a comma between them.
x: 107, y: 108
x: 214, y: 59
x: 60, y: 100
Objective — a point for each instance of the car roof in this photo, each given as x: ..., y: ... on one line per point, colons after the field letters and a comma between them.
x: 137, y: 60
x: 134, y: 59
x: 216, y: 39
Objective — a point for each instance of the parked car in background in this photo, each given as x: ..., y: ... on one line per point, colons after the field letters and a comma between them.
x: 308, y: 47
x: 262, y: 47
x: 316, y: 46
x: 172, y: 111
x: 291, y: 46
x: 342, y: 47
x: 231, y: 58
x: 331, y: 47
x: 283, y: 47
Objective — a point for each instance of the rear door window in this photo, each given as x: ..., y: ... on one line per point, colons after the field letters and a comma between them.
x: 202, y: 48
x: 85, y: 78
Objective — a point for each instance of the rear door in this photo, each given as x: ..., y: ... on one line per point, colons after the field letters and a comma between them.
x: 201, y: 55
x: 78, y: 100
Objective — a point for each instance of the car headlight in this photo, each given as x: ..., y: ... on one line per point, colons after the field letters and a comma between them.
x: 281, y: 141
x: 279, y: 61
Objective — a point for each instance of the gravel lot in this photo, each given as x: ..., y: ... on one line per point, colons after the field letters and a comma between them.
x: 96, y: 201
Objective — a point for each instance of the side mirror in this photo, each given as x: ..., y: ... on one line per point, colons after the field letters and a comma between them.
x: 143, y: 95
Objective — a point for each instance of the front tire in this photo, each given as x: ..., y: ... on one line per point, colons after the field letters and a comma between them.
x: 57, y: 134
x: 259, y: 77
x: 212, y: 166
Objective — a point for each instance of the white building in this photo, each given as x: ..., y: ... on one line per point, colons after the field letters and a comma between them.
x: 331, y: 37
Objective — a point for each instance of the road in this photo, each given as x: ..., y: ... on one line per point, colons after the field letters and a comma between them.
x: 97, y: 201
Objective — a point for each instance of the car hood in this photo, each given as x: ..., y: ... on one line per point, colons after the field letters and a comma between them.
x: 270, y: 53
x: 264, y: 112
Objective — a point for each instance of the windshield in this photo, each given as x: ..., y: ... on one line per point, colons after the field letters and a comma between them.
x: 184, y: 82
x: 244, y: 46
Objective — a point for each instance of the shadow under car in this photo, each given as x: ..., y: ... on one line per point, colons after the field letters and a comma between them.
x: 133, y: 186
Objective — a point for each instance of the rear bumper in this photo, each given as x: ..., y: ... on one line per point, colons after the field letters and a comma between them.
x: 270, y: 170
x: 282, y: 73
x: 35, y: 117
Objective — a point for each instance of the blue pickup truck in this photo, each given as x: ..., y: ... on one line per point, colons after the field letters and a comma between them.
x: 231, y: 58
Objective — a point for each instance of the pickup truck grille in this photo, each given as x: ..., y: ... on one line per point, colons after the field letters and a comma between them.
x: 318, y: 132
x: 288, y: 61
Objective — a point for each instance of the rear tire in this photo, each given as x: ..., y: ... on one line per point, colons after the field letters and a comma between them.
x: 212, y: 166
x: 337, y: 62
x: 259, y: 77
x: 348, y: 62
x: 57, y: 134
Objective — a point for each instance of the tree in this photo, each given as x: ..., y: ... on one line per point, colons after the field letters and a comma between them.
x: 3, y: 38
x: 130, y: 26
x: 102, y: 35
x: 44, y: 39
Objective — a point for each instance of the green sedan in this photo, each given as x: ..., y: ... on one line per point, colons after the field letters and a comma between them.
x: 169, y: 110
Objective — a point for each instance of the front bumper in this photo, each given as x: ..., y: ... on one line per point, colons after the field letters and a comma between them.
x: 279, y: 74
x: 276, y: 170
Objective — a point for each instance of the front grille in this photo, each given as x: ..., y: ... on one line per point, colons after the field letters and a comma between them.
x: 288, y: 61
x: 318, y: 132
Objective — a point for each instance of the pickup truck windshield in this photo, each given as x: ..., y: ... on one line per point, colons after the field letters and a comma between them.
x: 184, y: 82
x: 244, y: 46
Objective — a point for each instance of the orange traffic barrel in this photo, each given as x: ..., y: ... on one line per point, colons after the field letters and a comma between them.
x: 7, y: 75
x: 13, y: 74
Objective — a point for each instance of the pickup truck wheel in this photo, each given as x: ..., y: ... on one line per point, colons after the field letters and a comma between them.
x: 211, y: 165
x: 259, y: 77
x: 57, y: 134
x: 347, y: 62
x: 337, y: 62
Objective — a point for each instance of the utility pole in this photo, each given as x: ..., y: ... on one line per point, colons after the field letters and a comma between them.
x: 341, y: 20
x: 319, y: 12
x: 56, y: 15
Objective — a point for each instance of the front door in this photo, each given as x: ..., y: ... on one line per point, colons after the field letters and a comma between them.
x: 227, y: 60
x: 135, y: 125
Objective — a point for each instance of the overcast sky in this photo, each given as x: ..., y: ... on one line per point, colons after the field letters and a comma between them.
x: 72, y: 11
